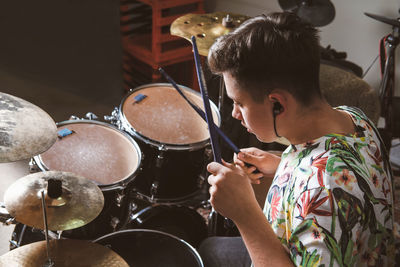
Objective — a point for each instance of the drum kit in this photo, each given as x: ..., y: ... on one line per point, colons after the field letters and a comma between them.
x: 105, y: 193
x: 108, y: 193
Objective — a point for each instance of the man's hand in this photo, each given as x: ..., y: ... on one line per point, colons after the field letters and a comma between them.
x: 266, y: 163
x: 231, y: 193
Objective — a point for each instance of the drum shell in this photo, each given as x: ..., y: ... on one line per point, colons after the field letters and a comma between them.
x: 176, y: 169
x: 143, y: 247
x: 180, y: 221
x: 115, y: 211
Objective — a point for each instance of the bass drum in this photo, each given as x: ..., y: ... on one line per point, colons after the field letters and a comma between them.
x: 179, y: 221
x: 143, y: 248
x: 103, y: 154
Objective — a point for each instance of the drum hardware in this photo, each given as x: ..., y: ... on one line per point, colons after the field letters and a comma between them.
x: 79, y: 203
x: 26, y: 130
x: 114, y: 118
x: 65, y: 253
x: 119, y: 198
x: 33, y: 167
x: 5, y: 217
x: 88, y: 116
x: 387, y: 86
x: 114, y: 223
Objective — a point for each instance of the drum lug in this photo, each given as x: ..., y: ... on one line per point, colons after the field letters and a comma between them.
x: 114, y: 118
x: 120, y: 197
x: 154, y: 189
x: 114, y: 223
x: 74, y: 118
x: 91, y: 116
x: 133, y: 206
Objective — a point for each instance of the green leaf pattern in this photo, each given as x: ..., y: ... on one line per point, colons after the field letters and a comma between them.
x: 336, y: 206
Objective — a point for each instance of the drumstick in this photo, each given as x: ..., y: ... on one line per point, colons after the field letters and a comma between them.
x: 200, y: 112
x: 203, y: 115
x: 210, y: 122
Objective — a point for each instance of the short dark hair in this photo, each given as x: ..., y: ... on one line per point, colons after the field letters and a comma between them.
x: 268, y: 52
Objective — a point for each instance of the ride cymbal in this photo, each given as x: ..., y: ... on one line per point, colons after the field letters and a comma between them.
x: 64, y: 253
x: 206, y: 27
x: 25, y: 129
x: 317, y: 12
x: 80, y: 202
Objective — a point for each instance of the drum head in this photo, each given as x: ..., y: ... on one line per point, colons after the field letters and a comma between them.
x: 165, y: 117
x: 96, y: 151
x: 143, y: 248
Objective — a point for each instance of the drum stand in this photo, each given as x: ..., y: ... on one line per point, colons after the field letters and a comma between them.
x: 49, y: 262
x: 54, y: 191
x: 386, y: 90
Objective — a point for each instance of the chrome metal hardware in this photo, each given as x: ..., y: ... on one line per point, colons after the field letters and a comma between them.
x: 91, y: 116
x: 119, y: 198
x: 114, y: 223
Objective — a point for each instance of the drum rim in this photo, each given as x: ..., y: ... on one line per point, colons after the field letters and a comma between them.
x: 104, y: 187
x: 163, y: 146
x: 194, y: 251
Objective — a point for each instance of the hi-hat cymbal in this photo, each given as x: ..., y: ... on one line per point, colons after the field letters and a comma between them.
x: 317, y: 12
x: 64, y: 253
x: 25, y: 129
x: 206, y: 27
x: 81, y: 201
x: 392, y: 22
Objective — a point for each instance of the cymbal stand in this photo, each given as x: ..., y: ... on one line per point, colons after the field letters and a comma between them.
x: 386, y: 90
x: 49, y: 262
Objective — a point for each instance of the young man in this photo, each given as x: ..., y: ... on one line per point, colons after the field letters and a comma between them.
x: 330, y: 202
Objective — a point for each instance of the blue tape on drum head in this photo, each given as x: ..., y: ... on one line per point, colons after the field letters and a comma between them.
x: 64, y: 132
x: 139, y: 98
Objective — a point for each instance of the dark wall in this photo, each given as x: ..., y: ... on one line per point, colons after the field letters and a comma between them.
x: 73, y: 45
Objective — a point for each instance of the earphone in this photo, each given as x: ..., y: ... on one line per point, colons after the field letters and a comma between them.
x: 276, y: 110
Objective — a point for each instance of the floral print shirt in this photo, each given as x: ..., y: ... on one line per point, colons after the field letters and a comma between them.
x: 330, y: 202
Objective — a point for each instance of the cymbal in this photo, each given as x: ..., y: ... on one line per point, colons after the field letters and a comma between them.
x: 392, y: 22
x: 206, y: 27
x: 317, y: 12
x: 81, y: 201
x: 25, y: 129
x: 64, y: 253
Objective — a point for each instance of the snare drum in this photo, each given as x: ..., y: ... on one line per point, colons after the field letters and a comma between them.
x: 103, y: 154
x: 143, y: 248
x: 173, y: 138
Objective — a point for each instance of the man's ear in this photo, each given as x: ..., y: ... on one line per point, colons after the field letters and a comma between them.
x: 278, y: 102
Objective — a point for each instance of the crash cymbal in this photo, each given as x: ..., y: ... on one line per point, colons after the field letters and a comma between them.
x: 392, y: 22
x: 64, y: 253
x: 206, y: 27
x: 25, y: 129
x: 317, y: 12
x: 80, y: 202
